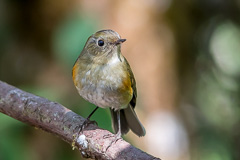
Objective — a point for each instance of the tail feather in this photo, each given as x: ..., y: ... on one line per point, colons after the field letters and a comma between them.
x: 133, y: 122
x: 123, y: 122
x: 128, y: 120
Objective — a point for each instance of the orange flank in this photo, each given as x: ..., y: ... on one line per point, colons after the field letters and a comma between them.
x: 74, y: 73
x: 127, y: 85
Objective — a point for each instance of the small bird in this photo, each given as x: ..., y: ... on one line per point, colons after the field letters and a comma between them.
x: 103, y: 77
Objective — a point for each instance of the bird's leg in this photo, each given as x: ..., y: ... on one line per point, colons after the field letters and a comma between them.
x: 118, y: 135
x: 86, y: 122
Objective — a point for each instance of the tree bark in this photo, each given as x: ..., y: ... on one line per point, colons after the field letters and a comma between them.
x: 52, y: 117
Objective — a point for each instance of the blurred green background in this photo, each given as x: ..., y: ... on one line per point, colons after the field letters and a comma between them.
x: 185, y: 56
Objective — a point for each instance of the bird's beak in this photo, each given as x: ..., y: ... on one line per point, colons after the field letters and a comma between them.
x: 119, y: 41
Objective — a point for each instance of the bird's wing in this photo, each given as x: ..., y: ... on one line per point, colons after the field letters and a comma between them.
x: 133, y: 85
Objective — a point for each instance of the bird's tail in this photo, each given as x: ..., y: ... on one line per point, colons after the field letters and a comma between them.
x: 128, y: 120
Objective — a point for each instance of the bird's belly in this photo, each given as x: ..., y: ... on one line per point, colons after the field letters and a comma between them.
x: 103, y: 96
x: 106, y: 92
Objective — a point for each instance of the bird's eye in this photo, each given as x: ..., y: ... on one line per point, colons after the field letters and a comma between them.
x: 100, y: 42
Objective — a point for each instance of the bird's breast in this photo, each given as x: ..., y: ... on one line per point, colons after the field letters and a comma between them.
x: 105, y: 86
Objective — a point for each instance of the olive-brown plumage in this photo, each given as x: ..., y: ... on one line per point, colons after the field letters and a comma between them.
x: 103, y: 77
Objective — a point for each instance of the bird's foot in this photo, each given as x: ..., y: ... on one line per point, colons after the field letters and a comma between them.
x: 116, y: 138
x: 86, y: 123
x: 81, y: 128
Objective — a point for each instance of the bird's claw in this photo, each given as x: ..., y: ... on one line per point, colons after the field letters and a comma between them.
x: 85, y: 124
x: 116, y: 138
x: 81, y: 128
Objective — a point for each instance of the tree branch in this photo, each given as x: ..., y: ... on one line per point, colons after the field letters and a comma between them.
x: 58, y: 120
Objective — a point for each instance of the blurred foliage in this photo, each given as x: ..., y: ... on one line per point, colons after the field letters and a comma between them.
x: 208, y: 39
x: 40, y: 41
x: 71, y: 36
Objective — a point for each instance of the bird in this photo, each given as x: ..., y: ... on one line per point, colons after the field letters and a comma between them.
x: 103, y: 76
